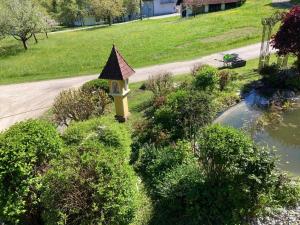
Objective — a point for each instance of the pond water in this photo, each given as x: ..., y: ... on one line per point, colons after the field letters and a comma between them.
x: 284, y: 137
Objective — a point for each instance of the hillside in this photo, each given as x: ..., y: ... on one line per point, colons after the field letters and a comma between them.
x: 142, y: 43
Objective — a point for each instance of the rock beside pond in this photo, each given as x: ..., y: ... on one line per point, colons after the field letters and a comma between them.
x: 281, y: 217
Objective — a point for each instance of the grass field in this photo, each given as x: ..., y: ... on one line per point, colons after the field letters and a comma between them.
x: 143, y: 43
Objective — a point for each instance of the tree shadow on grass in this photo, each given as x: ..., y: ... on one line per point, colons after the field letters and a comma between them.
x: 96, y: 28
x: 280, y: 5
x: 10, y: 50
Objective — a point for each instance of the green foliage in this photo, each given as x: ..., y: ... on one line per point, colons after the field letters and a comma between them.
x: 96, y: 85
x: 154, y: 162
x: 23, y: 18
x: 25, y: 150
x: 107, y: 9
x: 225, y: 76
x: 92, y: 182
x: 184, y: 112
x: 206, y: 78
x: 229, y: 180
x: 239, y: 173
x: 79, y: 105
x: 160, y: 85
x: 105, y: 131
x: 90, y: 185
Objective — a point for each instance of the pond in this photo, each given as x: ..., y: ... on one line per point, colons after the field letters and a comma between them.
x: 284, y: 137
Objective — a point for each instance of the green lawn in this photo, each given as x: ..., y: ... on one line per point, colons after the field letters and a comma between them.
x: 142, y: 43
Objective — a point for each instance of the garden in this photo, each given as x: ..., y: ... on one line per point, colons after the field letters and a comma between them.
x: 171, y: 163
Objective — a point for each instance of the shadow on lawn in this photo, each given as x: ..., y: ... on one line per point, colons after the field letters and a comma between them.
x: 281, y: 5
x: 10, y: 50
x: 96, y: 28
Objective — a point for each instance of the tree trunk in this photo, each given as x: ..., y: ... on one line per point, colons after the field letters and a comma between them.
x: 24, y: 44
x: 35, y: 39
x: 46, y: 34
x: 298, y: 64
x: 110, y: 20
x: 141, y: 10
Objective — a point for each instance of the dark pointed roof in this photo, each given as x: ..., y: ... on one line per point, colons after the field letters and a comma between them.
x: 116, y: 67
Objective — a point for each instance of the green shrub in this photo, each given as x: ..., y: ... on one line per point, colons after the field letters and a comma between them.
x: 184, y: 112
x: 90, y: 185
x: 293, y: 82
x: 154, y: 162
x: 96, y: 86
x: 105, y: 131
x: 181, y: 197
x: 25, y: 150
x: 239, y: 173
x: 232, y: 180
x: 161, y: 84
x: 78, y: 105
x: 225, y: 76
x: 206, y: 78
x: 269, y: 70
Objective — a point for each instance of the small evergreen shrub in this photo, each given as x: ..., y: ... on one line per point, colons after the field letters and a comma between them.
x: 89, y: 185
x: 91, y: 182
x: 96, y: 85
x: 25, y: 150
x: 78, y: 105
x: 206, y: 78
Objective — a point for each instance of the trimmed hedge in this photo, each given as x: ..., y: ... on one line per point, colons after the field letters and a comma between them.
x: 25, y: 150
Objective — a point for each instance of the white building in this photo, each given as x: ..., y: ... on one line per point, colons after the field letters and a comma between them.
x: 158, y: 7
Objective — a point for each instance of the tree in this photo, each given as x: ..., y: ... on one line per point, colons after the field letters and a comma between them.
x: 108, y: 9
x: 131, y: 7
x: 287, y: 39
x: 22, y: 19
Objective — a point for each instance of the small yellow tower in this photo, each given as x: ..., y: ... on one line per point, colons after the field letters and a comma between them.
x: 117, y: 71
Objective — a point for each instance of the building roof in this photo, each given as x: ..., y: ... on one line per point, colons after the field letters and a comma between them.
x: 116, y: 67
x: 205, y: 2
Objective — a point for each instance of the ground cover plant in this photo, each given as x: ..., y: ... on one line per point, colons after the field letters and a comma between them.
x: 150, y: 42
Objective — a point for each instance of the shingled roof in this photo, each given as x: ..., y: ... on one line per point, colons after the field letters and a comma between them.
x: 116, y: 67
x: 205, y: 2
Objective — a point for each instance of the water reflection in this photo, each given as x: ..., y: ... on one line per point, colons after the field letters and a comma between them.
x: 285, y: 137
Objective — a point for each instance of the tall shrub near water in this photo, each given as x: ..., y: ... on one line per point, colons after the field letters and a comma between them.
x: 287, y: 39
x: 25, y: 151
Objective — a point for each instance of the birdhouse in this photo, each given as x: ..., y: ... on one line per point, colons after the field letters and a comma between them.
x: 117, y: 72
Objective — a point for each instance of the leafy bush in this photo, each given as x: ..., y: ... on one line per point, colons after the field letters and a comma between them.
x: 233, y: 180
x: 89, y: 185
x: 293, y: 82
x: 153, y: 162
x: 95, y: 86
x: 78, y: 105
x: 184, y: 112
x: 92, y: 182
x: 239, y: 173
x: 225, y: 76
x: 105, y: 131
x: 161, y: 84
x: 206, y: 78
x: 25, y: 150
